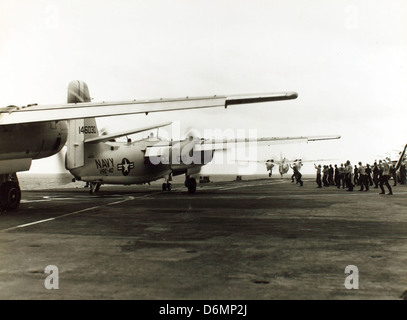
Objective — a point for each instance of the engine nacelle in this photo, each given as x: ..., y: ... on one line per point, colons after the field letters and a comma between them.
x: 15, y: 165
x: 32, y: 140
x: 188, y: 153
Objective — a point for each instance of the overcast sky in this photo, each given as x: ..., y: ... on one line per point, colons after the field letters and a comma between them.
x: 346, y: 59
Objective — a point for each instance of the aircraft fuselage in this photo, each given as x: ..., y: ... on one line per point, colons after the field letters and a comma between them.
x: 127, y: 163
x: 118, y: 163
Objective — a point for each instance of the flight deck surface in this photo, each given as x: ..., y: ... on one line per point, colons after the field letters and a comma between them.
x: 250, y: 239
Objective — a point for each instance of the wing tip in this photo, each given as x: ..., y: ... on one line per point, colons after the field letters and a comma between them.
x: 292, y: 95
x: 267, y: 97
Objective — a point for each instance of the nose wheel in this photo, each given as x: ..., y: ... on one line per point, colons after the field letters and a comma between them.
x: 10, y: 195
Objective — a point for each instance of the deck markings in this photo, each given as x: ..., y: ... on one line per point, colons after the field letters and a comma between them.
x: 71, y: 213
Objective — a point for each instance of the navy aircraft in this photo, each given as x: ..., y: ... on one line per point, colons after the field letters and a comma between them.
x: 107, y: 161
x: 34, y: 131
x: 285, y: 164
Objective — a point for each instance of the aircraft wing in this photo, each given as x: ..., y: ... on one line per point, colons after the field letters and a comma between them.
x: 108, y: 137
x: 320, y: 138
x: 270, y: 139
x: 213, y: 144
x: 310, y: 160
x: 37, y: 113
x: 162, y: 148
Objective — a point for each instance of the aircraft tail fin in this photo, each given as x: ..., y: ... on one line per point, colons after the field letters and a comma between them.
x: 79, y: 129
x: 78, y: 92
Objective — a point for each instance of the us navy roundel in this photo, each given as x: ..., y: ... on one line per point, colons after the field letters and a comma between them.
x: 125, y: 166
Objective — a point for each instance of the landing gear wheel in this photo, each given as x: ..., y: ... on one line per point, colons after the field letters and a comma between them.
x: 191, y: 184
x: 94, y: 187
x: 164, y: 186
x: 10, y: 195
x: 168, y: 186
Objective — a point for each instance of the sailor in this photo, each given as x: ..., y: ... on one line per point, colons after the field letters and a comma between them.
x: 393, y: 173
x: 355, y: 176
x: 403, y: 173
x: 318, y: 180
x: 376, y: 175
x: 325, y: 172
x: 348, y: 175
x: 336, y: 176
x: 331, y: 175
x: 368, y: 172
x: 298, y: 175
x: 341, y: 176
x: 363, y: 180
x: 294, y: 166
x: 385, y: 176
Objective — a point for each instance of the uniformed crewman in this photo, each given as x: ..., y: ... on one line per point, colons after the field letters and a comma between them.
x: 355, y: 175
x: 318, y: 180
x: 385, y: 176
x: 348, y: 175
x: 336, y: 176
x: 363, y: 181
x: 368, y: 171
x: 297, y: 174
x: 331, y: 175
x: 341, y: 176
x: 294, y: 173
x: 325, y: 172
x: 403, y: 173
x: 376, y: 175
x: 393, y: 173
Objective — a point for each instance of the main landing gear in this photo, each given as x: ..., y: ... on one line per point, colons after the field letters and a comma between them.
x: 94, y: 187
x: 190, y: 183
x: 10, y: 192
x: 166, y: 186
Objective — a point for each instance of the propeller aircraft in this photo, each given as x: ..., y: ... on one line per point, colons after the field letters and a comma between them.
x: 35, y: 132
x: 285, y: 164
x: 149, y: 159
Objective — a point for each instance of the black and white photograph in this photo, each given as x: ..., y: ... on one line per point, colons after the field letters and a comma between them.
x: 214, y: 152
